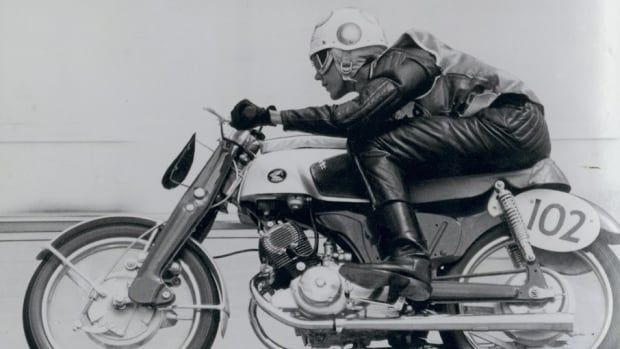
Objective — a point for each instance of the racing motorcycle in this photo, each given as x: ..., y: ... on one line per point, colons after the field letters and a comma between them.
x: 518, y: 261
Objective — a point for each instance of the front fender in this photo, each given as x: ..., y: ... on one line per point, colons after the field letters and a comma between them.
x: 146, y: 223
x: 79, y: 228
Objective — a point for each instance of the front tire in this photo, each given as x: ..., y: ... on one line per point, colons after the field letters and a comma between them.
x: 56, y: 298
x: 592, y: 275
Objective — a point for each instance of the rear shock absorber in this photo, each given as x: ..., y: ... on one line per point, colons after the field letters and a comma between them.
x: 514, y: 220
x: 516, y: 256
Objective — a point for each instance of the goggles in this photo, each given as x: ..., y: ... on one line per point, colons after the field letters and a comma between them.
x: 322, y: 60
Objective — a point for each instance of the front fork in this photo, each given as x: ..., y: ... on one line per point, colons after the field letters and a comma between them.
x: 148, y: 286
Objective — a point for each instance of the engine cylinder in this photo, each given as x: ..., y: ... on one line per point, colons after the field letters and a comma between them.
x: 287, y: 249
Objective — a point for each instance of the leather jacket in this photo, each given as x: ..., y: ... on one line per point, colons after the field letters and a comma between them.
x: 418, y: 76
x: 397, y: 77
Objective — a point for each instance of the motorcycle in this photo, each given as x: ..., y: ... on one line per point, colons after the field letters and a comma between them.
x: 518, y: 261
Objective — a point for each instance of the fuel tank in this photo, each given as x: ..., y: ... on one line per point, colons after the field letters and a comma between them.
x: 291, y: 172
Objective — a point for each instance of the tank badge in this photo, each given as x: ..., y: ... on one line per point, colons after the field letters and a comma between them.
x: 276, y: 176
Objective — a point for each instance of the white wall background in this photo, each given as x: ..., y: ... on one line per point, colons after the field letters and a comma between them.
x: 97, y: 97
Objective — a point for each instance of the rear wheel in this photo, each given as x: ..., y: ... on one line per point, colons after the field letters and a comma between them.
x: 60, y: 311
x: 586, y: 282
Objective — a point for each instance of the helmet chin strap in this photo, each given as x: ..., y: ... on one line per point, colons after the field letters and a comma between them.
x: 348, y: 63
x: 346, y: 69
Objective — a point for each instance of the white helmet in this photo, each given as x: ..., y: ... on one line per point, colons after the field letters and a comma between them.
x: 352, y: 36
x: 347, y: 29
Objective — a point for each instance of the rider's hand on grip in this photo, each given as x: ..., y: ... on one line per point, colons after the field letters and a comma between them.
x: 247, y: 115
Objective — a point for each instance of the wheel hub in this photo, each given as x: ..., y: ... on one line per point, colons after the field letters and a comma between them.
x: 115, y: 320
x: 561, y: 303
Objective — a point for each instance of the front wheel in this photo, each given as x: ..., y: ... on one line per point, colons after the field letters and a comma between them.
x: 586, y: 283
x: 60, y: 310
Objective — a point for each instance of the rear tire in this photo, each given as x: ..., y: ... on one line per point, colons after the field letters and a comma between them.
x: 204, y: 324
x: 597, y: 256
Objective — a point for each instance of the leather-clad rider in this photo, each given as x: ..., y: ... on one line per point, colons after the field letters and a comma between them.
x: 420, y: 103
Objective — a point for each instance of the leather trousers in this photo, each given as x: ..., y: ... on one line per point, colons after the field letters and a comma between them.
x: 509, y: 135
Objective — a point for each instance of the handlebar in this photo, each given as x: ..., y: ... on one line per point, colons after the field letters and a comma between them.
x: 243, y: 138
x: 221, y: 119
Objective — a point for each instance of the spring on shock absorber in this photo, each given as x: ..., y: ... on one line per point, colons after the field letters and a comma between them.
x: 514, y: 220
x: 516, y: 256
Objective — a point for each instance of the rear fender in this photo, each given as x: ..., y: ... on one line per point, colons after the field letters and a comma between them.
x: 147, y: 223
x: 610, y: 228
x: 603, y: 226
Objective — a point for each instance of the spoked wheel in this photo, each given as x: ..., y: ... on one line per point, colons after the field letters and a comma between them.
x: 586, y: 283
x: 62, y: 311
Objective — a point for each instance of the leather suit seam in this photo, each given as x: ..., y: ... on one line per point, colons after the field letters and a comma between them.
x: 356, y: 114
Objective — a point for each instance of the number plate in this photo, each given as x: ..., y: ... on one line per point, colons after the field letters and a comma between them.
x: 558, y: 221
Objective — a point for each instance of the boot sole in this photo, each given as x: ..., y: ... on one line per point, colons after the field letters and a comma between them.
x: 405, y: 286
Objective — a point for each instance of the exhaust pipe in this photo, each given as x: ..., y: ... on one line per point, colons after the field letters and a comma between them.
x: 560, y: 322
x: 267, y: 341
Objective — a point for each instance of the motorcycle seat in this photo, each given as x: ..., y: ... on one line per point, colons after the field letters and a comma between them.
x: 332, y: 178
x: 544, y: 173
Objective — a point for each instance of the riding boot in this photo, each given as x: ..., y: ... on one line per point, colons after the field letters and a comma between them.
x: 404, y: 250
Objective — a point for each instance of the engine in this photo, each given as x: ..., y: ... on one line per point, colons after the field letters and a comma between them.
x: 308, y: 286
x: 288, y: 251
x: 320, y: 291
x: 313, y: 281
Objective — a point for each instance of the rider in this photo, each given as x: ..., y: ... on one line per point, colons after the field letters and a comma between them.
x: 419, y: 104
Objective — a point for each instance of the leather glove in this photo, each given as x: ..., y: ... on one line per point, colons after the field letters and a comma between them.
x: 247, y: 115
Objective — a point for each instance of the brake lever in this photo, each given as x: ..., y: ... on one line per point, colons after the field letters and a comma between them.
x: 222, y: 120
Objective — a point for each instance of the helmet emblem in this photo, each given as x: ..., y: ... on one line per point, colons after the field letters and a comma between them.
x: 349, y: 33
x: 276, y: 176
